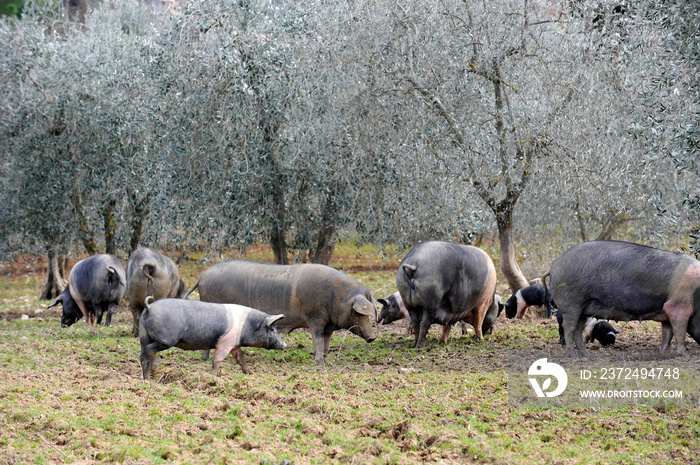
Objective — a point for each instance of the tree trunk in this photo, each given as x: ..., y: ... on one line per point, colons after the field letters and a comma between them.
x: 140, y: 212
x: 108, y: 216
x: 54, y: 280
x: 611, y: 224
x: 581, y: 223
x: 279, y: 248
x: 509, y: 265
x: 325, y: 246
x: 325, y: 239
x: 181, y: 252
x: 62, y: 265
x: 84, y: 231
x: 279, y: 222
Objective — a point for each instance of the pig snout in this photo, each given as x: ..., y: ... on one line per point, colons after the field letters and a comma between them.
x: 385, y: 316
x: 277, y: 343
x: 365, y: 331
x: 274, y: 340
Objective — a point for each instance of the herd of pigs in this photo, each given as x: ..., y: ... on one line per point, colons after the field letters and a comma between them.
x: 243, y: 303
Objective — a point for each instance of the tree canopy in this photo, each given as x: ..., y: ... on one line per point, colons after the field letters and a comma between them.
x: 227, y: 123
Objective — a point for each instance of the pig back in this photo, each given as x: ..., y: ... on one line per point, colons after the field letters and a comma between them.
x: 187, y: 324
x: 630, y: 280
x: 437, y: 270
x: 98, y: 279
x: 266, y: 287
x: 301, y: 292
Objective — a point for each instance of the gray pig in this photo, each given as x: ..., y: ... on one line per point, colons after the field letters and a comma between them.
x: 443, y: 282
x: 615, y: 280
x: 95, y: 287
x: 150, y: 273
x: 311, y: 296
x: 194, y: 325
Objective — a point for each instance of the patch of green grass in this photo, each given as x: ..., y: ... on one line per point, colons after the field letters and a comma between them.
x: 75, y: 395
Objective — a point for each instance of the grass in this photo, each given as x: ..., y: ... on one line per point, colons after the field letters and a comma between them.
x: 75, y: 395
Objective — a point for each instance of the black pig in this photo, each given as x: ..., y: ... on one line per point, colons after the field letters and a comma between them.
x: 626, y: 281
x: 95, y: 286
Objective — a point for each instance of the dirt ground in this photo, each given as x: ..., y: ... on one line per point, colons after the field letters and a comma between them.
x: 79, y: 403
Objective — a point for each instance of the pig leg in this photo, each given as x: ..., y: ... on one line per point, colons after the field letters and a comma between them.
x: 463, y: 325
x: 425, y: 324
x: 149, y: 350
x: 578, y: 338
x: 136, y: 313
x: 319, y: 345
x: 240, y: 358
x: 479, y: 321
x: 326, y: 343
x: 110, y: 311
x: 678, y: 316
x: 573, y: 330
x: 205, y: 355
x: 666, y: 336
x: 90, y: 318
x: 414, y: 319
x: 220, y: 354
x: 98, y: 314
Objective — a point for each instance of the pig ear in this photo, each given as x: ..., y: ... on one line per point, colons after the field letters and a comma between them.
x: 499, y: 302
x: 364, y: 307
x: 272, y: 319
x: 383, y: 302
x: 59, y: 300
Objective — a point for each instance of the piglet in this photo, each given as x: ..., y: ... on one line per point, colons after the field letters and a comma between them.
x: 600, y: 330
x: 592, y: 330
x: 393, y: 309
x: 195, y: 325
x: 523, y: 299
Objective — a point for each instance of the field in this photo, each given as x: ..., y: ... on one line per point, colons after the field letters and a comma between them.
x: 75, y: 395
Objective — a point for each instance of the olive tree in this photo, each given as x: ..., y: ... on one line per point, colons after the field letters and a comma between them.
x: 74, y: 136
x: 615, y: 165
x: 491, y: 85
x: 520, y: 100
x: 263, y: 144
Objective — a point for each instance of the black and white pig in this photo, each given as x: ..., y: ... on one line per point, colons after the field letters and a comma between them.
x: 616, y: 280
x: 594, y: 329
x: 311, y: 296
x: 195, y: 325
x: 600, y: 330
x: 95, y: 286
x: 392, y: 310
x: 526, y: 297
x: 150, y: 273
x: 445, y: 283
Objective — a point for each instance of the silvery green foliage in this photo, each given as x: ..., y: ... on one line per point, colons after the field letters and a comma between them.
x: 76, y: 120
x: 238, y: 120
x: 636, y: 98
x: 580, y: 83
x: 229, y: 87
